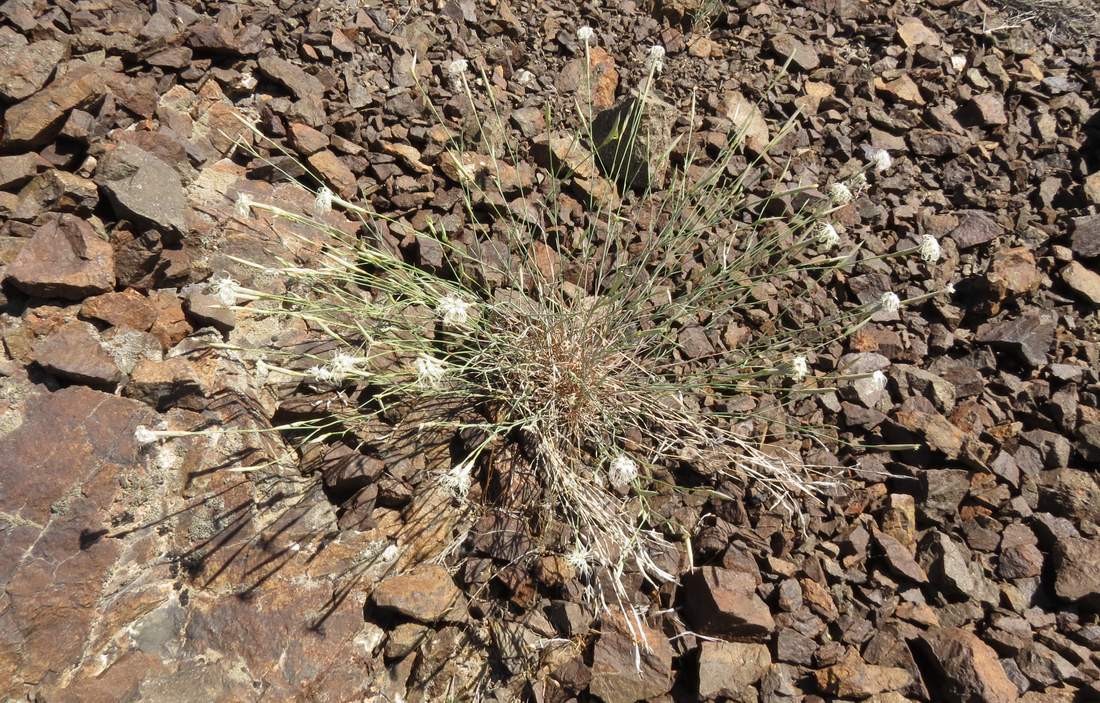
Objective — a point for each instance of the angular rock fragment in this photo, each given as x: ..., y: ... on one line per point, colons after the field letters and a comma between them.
x: 616, y: 676
x: 731, y: 669
x: 64, y: 259
x: 426, y: 593
x: 723, y: 603
x: 968, y: 668
x: 144, y: 188
x: 1028, y: 336
x: 74, y: 352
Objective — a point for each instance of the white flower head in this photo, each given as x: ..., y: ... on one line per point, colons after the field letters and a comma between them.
x: 827, y: 235
x: 459, y: 479
x: 454, y: 311
x: 858, y: 183
x: 656, y: 58
x: 585, y: 34
x: 225, y: 289
x: 879, y: 158
x: 930, y: 249
x: 246, y: 80
x: 890, y: 302
x: 524, y: 77
x: 243, y: 206
x: 878, y: 380
x: 456, y: 68
x: 143, y: 435
x: 323, y: 374
x: 839, y: 194
x: 950, y: 289
x: 622, y: 471
x: 343, y: 364
x: 800, y: 368
x: 578, y: 558
x: 322, y: 204
x: 430, y: 371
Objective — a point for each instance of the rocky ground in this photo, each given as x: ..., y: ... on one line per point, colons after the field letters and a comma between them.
x: 967, y: 570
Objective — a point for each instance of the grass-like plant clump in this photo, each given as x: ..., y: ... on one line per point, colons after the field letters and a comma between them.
x: 571, y: 355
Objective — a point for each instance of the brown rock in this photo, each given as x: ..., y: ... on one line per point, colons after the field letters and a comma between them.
x: 143, y: 187
x: 801, y: 54
x: 747, y: 119
x: 969, y: 669
x: 1077, y: 570
x: 988, y: 109
x: 1029, y: 336
x: 64, y: 259
x: 918, y: 416
x: 128, y: 308
x: 35, y: 120
x: 154, y: 381
x: 1085, y: 240
x: 25, y: 68
x: 307, y: 139
x: 855, y: 678
x: 17, y: 170
x: 426, y: 593
x: 731, y: 669
x: 601, y: 75
x: 336, y: 172
x: 74, y: 353
x: 903, y: 88
x: 1083, y: 281
x: 913, y: 32
x: 898, y: 558
x: 1014, y: 270
x: 723, y: 603
x: 295, y: 79
x: 171, y: 324
x: 975, y: 227
x: 615, y: 674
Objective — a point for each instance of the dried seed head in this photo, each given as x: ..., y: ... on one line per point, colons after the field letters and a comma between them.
x: 143, y: 435
x: 243, y: 207
x: 656, y: 59
x: 930, y: 249
x: 890, y: 302
x: 456, y: 68
x: 827, y: 235
x: 839, y: 194
x: 459, y: 479
x: 225, y: 289
x: 622, y: 471
x: 800, y: 368
x: 585, y: 34
x: 454, y: 311
x: 322, y: 204
x: 879, y: 158
x: 430, y: 371
x: 878, y: 379
x: 578, y: 558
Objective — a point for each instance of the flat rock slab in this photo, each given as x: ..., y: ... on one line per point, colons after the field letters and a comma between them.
x: 426, y: 593
x: 37, y: 119
x: 64, y: 259
x: 144, y: 188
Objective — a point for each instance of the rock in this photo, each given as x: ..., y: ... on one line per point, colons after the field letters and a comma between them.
x: 1046, y: 667
x: 988, y: 110
x: 955, y: 569
x: 601, y: 75
x: 300, y: 83
x: 336, y: 172
x: 37, y: 119
x: 855, y: 678
x: 944, y: 489
x: 143, y: 188
x: 1019, y: 554
x: 206, y: 309
x: 1083, y: 281
x: 694, y: 343
x: 1085, y: 240
x: 1077, y: 570
x: 17, y: 170
x: 128, y: 308
x: 1014, y: 270
x: 747, y: 119
x: 502, y: 536
x: 307, y: 139
x: 57, y: 191
x: 426, y: 593
x: 618, y: 652
x: 64, y: 259
x: 171, y: 324
x: 1053, y: 448
x: 1070, y: 493
x: 801, y: 55
x: 975, y: 227
x: 723, y: 603
x: 968, y: 669
x: 898, y: 558
x: 25, y: 68
x: 530, y: 121
x: 630, y: 147
x: 1028, y: 336
x: 913, y: 32
x: 731, y: 669
x: 918, y: 416
x: 903, y: 88
x: 74, y: 353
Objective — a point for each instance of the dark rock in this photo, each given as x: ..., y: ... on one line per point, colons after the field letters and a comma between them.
x: 426, y: 593
x: 56, y: 191
x: 143, y: 188
x: 206, y: 309
x: 502, y: 536
x: 1029, y: 336
x: 64, y: 259
x: 1077, y: 570
x: 74, y: 353
x: 17, y: 170
x: 898, y: 558
x: 731, y: 669
x: 127, y: 308
x: 723, y: 603
x: 616, y: 677
x: 1070, y: 493
x: 38, y: 118
x: 975, y: 227
x: 1085, y: 240
x: 25, y: 68
x: 967, y: 668
x: 300, y: 83
x: 855, y: 678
